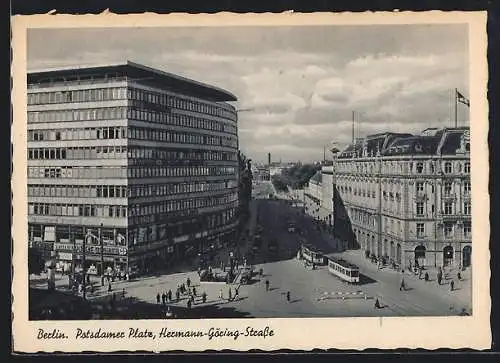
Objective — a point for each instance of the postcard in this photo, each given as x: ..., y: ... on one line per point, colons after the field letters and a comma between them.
x: 250, y: 181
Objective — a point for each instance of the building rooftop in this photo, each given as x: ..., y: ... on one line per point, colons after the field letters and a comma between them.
x: 137, y: 72
x: 316, y: 178
x: 431, y: 142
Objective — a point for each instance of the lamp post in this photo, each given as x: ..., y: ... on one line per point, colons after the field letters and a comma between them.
x: 88, y: 236
x: 102, y: 254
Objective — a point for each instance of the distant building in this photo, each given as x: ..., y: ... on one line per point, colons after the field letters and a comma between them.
x: 141, y: 161
x: 313, y: 196
x: 318, y: 196
x: 407, y: 197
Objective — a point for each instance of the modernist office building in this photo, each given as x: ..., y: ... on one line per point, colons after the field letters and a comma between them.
x: 407, y: 197
x: 141, y: 161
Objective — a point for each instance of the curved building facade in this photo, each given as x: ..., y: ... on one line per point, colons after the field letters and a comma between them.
x: 140, y: 163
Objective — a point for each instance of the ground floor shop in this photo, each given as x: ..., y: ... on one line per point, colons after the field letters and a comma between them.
x: 409, y: 254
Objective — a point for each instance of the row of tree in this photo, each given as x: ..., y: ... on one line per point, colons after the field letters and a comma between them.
x: 295, y: 177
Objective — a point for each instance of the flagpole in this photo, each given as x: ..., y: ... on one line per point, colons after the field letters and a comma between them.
x: 456, y: 108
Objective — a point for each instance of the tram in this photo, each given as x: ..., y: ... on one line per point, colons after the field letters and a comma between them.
x: 343, y: 270
x: 312, y: 255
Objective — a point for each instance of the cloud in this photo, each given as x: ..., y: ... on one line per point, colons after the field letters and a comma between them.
x: 296, y: 86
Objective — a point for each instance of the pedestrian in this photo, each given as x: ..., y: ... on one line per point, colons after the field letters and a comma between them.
x: 177, y: 296
x: 377, y: 304
x: 439, y: 277
x: 109, y: 287
x: 459, y: 276
x: 194, y: 291
x: 288, y: 296
x: 236, y: 293
x: 402, y: 287
x: 189, y: 303
x: 426, y: 277
x: 158, y: 298
x: 204, y: 297
x: 169, y: 295
x: 188, y: 282
x: 420, y: 273
x: 452, y: 285
x: 163, y: 298
x: 267, y: 285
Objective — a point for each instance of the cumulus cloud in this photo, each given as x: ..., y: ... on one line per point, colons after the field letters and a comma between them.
x: 296, y: 86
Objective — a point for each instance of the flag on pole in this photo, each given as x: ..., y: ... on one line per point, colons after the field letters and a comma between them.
x: 462, y: 99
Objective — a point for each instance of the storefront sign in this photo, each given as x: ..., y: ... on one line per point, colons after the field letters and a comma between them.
x: 91, y: 249
x: 65, y: 256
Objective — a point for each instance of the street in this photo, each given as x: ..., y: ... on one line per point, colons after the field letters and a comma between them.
x: 313, y: 293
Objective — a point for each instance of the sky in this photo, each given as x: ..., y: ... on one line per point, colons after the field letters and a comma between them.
x: 297, y: 87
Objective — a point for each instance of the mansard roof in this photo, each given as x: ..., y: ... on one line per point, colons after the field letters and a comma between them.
x: 443, y: 141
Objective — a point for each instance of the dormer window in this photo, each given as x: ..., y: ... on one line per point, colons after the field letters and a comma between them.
x: 420, y: 167
x: 418, y: 147
x: 447, y: 167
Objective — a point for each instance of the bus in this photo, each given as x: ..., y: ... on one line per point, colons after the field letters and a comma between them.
x: 312, y: 255
x: 343, y: 270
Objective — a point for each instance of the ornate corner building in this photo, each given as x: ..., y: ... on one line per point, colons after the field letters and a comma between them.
x: 406, y: 197
x: 143, y: 161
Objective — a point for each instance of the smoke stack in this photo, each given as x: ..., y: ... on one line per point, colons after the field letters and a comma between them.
x: 269, y: 159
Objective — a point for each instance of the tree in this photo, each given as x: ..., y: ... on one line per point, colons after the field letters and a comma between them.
x: 35, y: 261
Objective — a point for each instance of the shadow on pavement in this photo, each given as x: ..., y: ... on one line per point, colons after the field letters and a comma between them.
x: 364, y: 280
x: 133, y: 308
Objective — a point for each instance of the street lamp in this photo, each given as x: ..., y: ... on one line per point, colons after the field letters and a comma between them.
x: 102, y: 254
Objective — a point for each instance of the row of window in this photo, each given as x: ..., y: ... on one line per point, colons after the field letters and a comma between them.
x: 85, y: 95
x: 151, y: 190
x: 131, y: 133
x: 123, y: 191
x: 192, y: 105
x: 181, y: 137
x: 120, y: 93
x: 169, y: 206
x: 94, y: 133
x: 419, y: 167
x: 78, y: 191
x: 77, y: 210
x: 89, y: 172
x: 119, y: 152
x: 448, y: 230
x: 419, y: 186
x: 77, y: 172
x: 92, y: 210
x: 120, y: 113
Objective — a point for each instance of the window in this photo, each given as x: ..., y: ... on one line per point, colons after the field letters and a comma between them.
x: 467, y: 187
x: 467, y: 208
x: 448, y: 230
x: 447, y: 188
x: 467, y: 230
x: 467, y: 168
x: 420, y: 230
x: 448, y: 208
x: 420, y: 186
x: 447, y: 167
x: 420, y: 208
x: 420, y: 167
